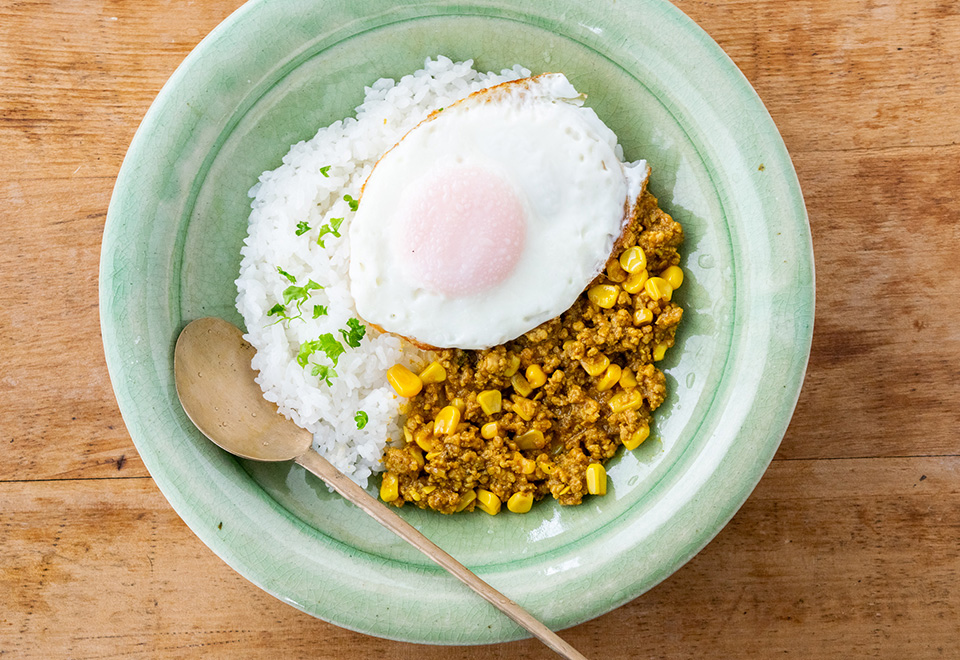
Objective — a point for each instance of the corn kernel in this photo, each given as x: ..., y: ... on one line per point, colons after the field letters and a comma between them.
x: 657, y: 288
x: 404, y: 382
x: 513, y: 363
x: 527, y: 466
x: 433, y: 373
x: 633, y: 259
x: 446, y: 420
x: 424, y: 437
x: 432, y: 455
x: 626, y: 400
x: 459, y: 404
x: 673, y: 275
x: 466, y: 499
x: 627, y: 379
x: 520, y: 502
x: 642, y: 316
x: 429, y: 489
x: 548, y: 468
x: 532, y: 439
x: 491, y: 401
x: 596, y: 479
x: 659, y: 352
x: 417, y: 455
x: 488, y: 502
x: 604, y: 295
x: 609, y: 378
x: 564, y: 491
x: 521, y: 385
x: 407, y: 435
x: 637, y: 437
x: 615, y: 272
x: 389, y: 487
x: 595, y: 364
x: 524, y: 408
x: 535, y: 376
x: 489, y: 430
x: 636, y: 281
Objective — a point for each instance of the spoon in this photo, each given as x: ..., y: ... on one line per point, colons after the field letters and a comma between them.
x: 216, y: 386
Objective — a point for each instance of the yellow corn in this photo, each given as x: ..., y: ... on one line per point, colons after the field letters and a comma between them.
x: 417, y: 454
x: 446, y: 420
x: 407, y: 435
x: 633, y: 259
x: 604, y: 295
x: 459, y: 404
x: 657, y: 288
x: 609, y: 378
x: 491, y: 401
x: 513, y: 363
x: 637, y: 438
x: 642, y: 316
x: 535, y: 376
x: 424, y: 437
x: 615, y: 272
x: 488, y: 502
x: 429, y: 489
x: 432, y: 455
x: 433, y: 373
x: 520, y: 502
x: 548, y: 468
x: 489, y: 430
x: 595, y: 364
x: 389, y: 487
x: 521, y: 385
x: 596, y: 479
x: 673, y: 275
x: 627, y: 379
x: 636, y: 281
x: 404, y: 382
x: 532, y: 439
x: 626, y: 400
x: 466, y: 499
x: 659, y: 352
x: 527, y: 466
x: 525, y: 408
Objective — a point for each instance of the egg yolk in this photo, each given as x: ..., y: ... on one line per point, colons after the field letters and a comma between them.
x: 462, y: 231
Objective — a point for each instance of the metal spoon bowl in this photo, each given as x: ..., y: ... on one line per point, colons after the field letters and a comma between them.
x: 216, y: 386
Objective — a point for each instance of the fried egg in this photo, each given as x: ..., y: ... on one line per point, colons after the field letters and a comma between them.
x: 491, y: 216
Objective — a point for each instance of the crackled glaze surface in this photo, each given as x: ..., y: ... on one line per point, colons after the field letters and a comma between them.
x: 276, y: 71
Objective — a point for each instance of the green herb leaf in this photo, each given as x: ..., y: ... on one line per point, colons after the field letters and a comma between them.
x: 324, y: 170
x: 352, y: 202
x: 329, y: 345
x: 324, y: 372
x: 302, y: 228
x: 333, y: 227
x: 355, y: 334
x: 277, y: 309
x: 318, y: 311
x: 361, y: 418
x: 287, y: 275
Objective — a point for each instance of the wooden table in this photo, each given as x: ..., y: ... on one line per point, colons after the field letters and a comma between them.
x: 849, y: 547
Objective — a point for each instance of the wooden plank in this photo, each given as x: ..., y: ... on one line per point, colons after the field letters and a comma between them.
x: 823, y: 558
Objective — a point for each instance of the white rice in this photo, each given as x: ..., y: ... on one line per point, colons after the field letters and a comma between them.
x: 298, y: 192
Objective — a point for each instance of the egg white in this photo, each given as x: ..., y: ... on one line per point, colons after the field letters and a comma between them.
x: 563, y: 164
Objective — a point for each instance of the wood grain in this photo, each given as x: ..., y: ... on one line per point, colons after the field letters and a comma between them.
x: 849, y: 546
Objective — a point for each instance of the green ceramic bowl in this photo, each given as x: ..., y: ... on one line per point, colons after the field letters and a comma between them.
x: 276, y: 71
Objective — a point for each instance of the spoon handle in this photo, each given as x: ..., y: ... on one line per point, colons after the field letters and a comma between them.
x: 319, y: 466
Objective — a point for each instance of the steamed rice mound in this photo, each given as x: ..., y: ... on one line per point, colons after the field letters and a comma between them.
x: 313, y: 189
